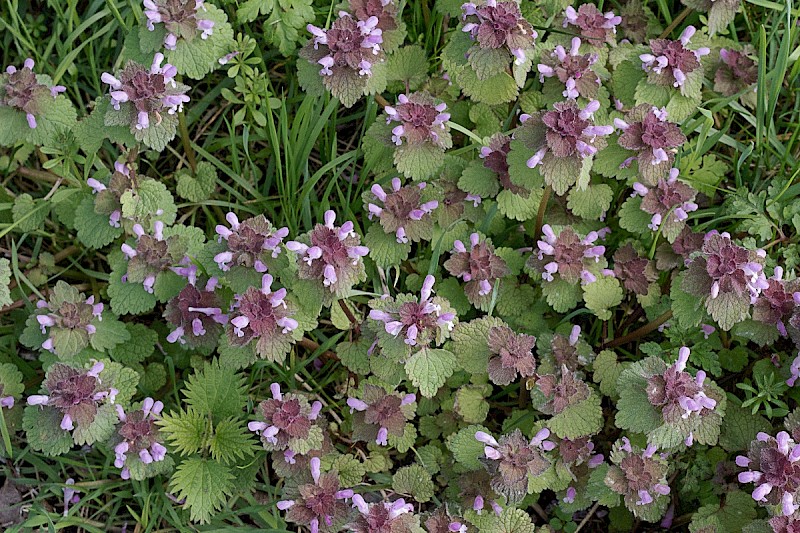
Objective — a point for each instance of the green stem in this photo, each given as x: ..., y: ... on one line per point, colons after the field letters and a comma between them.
x: 537, y: 230
x: 187, y: 144
x: 465, y: 131
x: 639, y: 333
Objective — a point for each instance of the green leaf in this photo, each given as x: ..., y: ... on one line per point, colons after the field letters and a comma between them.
x: 94, y: 229
x: 510, y: 520
x: 493, y: 90
x: 602, y: 296
x: 158, y: 135
x: 606, y: 372
x: 43, y: 430
x: 634, y: 411
x: 740, y: 427
x: 478, y: 180
x: 561, y: 295
x: 384, y: 248
x: 466, y: 449
x: 140, y: 344
x: 126, y: 298
x: 185, y: 430
x: 110, y: 332
x: 632, y: 218
x: 351, y: 471
x: 205, y: 484
x: 29, y: 214
x: 68, y: 343
x: 58, y: 117
x: 590, y: 203
x: 686, y: 308
x: 728, y: 308
x: 408, y: 65
x: 608, y: 160
x: 199, y: 187
x: 231, y: 441
x: 470, y: 344
x: 518, y: 207
x: 100, y: 429
x: 15, y: 127
x: 471, y: 404
x: 198, y: 57
x: 578, y: 420
x: 5, y: 281
x: 414, y: 481
x: 429, y: 368
x: 147, y: 200
x: 652, y: 94
x: 216, y: 390
x: 418, y: 162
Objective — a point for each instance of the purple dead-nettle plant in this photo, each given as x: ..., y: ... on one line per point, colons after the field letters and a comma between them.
x: 563, y: 140
x: 670, y: 63
x: 778, y: 301
x: 248, y: 241
x: 75, y: 394
x: 196, y: 313
x: 495, y: 158
x: 148, y: 96
x: 561, y: 350
x: 569, y: 256
x: 560, y: 390
x: 378, y: 414
x: 422, y: 121
x: 479, y: 266
x: 183, y: 19
x: 418, y: 322
x: 727, y: 277
x: 288, y: 422
x: 670, y: 201
x: 139, y: 438
x: 441, y: 521
x: 70, y: 495
x: 476, y: 491
x: 513, y: 460
x: 635, y: 19
x: 578, y: 457
x: 403, y: 210
x: 640, y: 476
x: 494, y: 25
x: 737, y: 72
x: 332, y: 255
x: 594, y: 26
x: 152, y: 255
x: 511, y: 355
x: 772, y: 466
x: 395, y: 517
x: 384, y: 10
x: 108, y: 198
x: 573, y: 69
x: 785, y: 524
x: 320, y: 505
x: 68, y: 319
x: 21, y: 90
x: 263, y: 315
x: 647, y: 131
x: 634, y: 271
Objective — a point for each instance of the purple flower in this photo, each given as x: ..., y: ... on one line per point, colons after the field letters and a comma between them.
x: 737, y: 71
x: 108, y: 198
x: 394, y: 517
x: 639, y: 476
x: 636, y: 273
x: 479, y: 266
x: 772, y: 467
x: 573, y: 69
x: 495, y: 158
x: 513, y: 459
x: 21, y: 90
x: 496, y: 25
x: 573, y: 257
x: 74, y: 393
x: 384, y: 10
x: 146, y: 94
x: 67, y: 313
x: 153, y: 255
x: 579, y: 451
x: 402, y: 211
x: 379, y: 414
x: 139, y: 438
x: 183, y: 19
x: 511, y: 355
x: 655, y: 140
x: 263, y: 315
x: 594, y: 25
x: 70, y: 495
x: 670, y: 203
x: 319, y: 504
x: 678, y: 394
x: 560, y: 390
x: 288, y: 420
x: 247, y: 242
x: 421, y: 119
x: 670, y: 62
x: 196, y: 314
x: 334, y: 255
x: 417, y: 322
x: 777, y: 302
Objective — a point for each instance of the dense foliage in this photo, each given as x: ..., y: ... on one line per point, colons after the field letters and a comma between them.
x: 400, y: 267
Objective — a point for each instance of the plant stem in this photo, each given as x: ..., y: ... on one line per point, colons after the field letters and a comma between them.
x: 641, y: 332
x: 674, y: 24
x: 350, y: 316
x: 537, y: 230
x: 187, y: 144
x: 383, y: 102
x: 465, y: 131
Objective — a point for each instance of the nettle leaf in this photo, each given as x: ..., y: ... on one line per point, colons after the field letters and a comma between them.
x: 149, y: 201
x: 510, y: 520
x: 632, y: 218
x: 634, y: 410
x: 686, y: 308
x: 58, y: 117
x: 231, y: 441
x: 29, y: 214
x: 43, y: 430
x: 206, y: 485
x: 590, y: 203
x: 100, y: 429
x: 216, y: 390
x: 384, y: 248
x: 199, y: 187
x: 740, y: 427
x: 94, y: 229
x: 185, y: 430
x: 418, y: 162
x: 158, y: 135
x: 466, y: 449
x: 198, y: 57
x: 140, y: 344
x: 561, y: 295
x: 414, y: 481
x: 728, y: 308
x: 608, y: 160
x: 5, y: 281
x: 478, y: 180
x: 15, y: 126
x: 351, y: 471
x: 602, y: 296
x: 606, y: 372
x: 578, y: 420
x: 493, y: 90
x: 408, y: 65
x: 471, y: 404
x: 403, y: 442
x: 429, y: 368
x: 354, y: 355
x: 758, y: 332
x: 518, y: 207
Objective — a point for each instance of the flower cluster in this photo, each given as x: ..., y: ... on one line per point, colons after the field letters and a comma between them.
x: 263, y: 315
x: 496, y: 25
x: 139, y: 438
x: 384, y: 10
x: 396, y: 517
x: 670, y: 203
x: 183, y: 19
x: 777, y: 302
x: 144, y: 95
x: 640, y: 476
x: 737, y: 72
x: 513, y: 460
x: 75, y: 394
x: 479, y: 266
x: 418, y: 321
x: 153, y: 255
x: 772, y: 465
x: 319, y: 505
x: 512, y: 355
x: 404, y: 211
x: 670, y: 62
x: 196, y: 314
x: 289, y: 423
x: 68, y: 319
x: 560, y: 390
x: 635, y: 272
x: 21, y: 90
x: 573, y: 69
x: 595, y: 26
x: 378, y: 414
x: 655, y: 140
x: 573, y: 257
x: 421, y: 120
x: 108, y: 198
x: 333, y: 255
x: 247, y: 241
x: 495, y: 158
